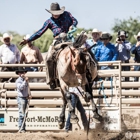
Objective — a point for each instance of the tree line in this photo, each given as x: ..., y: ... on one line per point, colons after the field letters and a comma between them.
x: 131, y: 25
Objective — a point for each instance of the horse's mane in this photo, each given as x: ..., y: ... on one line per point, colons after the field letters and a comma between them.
x: 79, y: 41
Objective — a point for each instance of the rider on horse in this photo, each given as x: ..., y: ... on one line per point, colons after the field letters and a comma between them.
x: 60, y: 22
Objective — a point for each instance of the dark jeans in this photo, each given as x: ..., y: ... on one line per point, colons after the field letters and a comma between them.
x: 31, y: 68
x: 126, y: 68
x: 106, y: 68
x: 77, y: 103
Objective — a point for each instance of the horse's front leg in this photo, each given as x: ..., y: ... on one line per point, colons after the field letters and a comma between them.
x: 61, y: 119
x: 89, y: 96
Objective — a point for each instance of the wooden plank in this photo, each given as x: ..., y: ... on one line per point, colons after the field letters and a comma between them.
x: 57, y: 93
x: 102, y: 73
x: 106, y: 84
x: 57, y: 102
x: 45, y: 86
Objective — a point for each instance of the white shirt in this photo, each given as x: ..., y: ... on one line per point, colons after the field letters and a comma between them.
x: 9, y: 54
x: 74, y: 90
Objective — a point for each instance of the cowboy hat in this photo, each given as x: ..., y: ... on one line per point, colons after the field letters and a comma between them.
x: 27, y: 36
x: 105, y: 35
x: 20, y: 69
x: 55, y: 9
x: 6, y: 35
x: 136, y: 36
x: 96, y: 31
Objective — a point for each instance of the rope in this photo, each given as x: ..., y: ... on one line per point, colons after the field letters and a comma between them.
x: 102, y: 89
x: 5, y: 91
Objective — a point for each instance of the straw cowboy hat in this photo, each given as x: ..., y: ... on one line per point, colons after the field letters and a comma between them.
x: 105, y: 35
x: 27, y: 36
x: 96, y: 31
x: 20, y: 69
x: 6, y: 35
x: 55, y: 9
x: 136, y: 36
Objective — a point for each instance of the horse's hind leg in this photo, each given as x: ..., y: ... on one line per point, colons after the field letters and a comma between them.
x: 61, y: 119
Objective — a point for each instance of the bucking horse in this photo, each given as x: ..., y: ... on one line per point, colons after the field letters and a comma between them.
x: 73, y: 67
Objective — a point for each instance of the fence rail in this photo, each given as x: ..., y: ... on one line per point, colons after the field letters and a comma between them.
x: 118, y: 93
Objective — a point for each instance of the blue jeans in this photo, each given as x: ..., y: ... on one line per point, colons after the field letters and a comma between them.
x: 31, y: 68
x: 106, y: 68
x: 126, y: 68
x: 136, y: 68
x: 22, y: 104
x: 77, y: 103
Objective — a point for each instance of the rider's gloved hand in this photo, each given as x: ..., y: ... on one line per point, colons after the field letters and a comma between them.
x: 72, y: 29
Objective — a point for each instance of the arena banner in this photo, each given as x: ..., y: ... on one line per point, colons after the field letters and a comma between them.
x: 37, y: 119
x: 47, y: 119
x: 131, y: 118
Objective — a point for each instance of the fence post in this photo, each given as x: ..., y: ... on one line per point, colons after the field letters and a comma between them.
x: 120, y: 97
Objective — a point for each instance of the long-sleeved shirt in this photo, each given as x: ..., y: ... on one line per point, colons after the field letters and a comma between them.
x: 123, y: 50
x: 90, y: 42
x: 106, y: 53
x: 57, y: 26
x: 30, y: 55
x: 22, y: 87
x: 136, y: 50
x: 9, y: 54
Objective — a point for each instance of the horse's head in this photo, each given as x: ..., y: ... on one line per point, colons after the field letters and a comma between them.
x: 83, y: 61
x: 79, y: 61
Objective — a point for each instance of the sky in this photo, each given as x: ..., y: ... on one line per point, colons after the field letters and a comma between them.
x: 28, y: 16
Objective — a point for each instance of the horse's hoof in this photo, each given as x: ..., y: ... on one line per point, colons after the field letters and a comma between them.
x: 74, y: 119
x: 95, y: 120
x: 61, y: 125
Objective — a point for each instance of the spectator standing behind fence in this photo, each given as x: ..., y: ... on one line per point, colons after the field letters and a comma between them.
x: 96, y: 34
x: 106, y: 51
x: 76, y: 103
x: 136, y: 50
x: 123, y: 47
x: 22, y: 96
x: 31, y: 55
x: 9, y: 53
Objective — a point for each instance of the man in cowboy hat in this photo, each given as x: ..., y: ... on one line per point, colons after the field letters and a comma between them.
x: 136, y: 50
x: 22, y: 96
x: 96, y: 34
x: 123, y: 46
x: 9, y: 53
x: 106, y: 51
x: 60, y: 22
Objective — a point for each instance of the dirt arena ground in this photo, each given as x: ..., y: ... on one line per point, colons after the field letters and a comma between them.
x: 77, y: 135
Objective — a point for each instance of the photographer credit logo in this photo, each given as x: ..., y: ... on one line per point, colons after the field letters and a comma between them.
x: 1, y: 118
x: 128, y: 135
